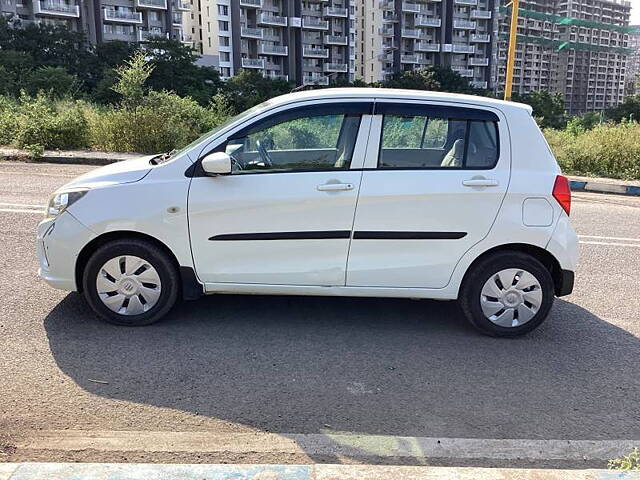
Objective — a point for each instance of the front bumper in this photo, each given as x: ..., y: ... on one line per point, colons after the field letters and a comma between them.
x: 58, y: 245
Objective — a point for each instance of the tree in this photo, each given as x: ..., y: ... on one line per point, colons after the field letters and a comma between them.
x: 132, y: 77
x: 175, y: 70
x: 440, y: 79
x: 53, y: 80
x: 17, y: 67
x: 249, y: 88
x: 414, y: 80
x: 548, y: 108
x: 629, y: 110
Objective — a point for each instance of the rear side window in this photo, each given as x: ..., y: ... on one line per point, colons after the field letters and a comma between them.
x: 420, y: 141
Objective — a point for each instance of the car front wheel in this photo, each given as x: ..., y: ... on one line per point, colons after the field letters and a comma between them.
x: 130, y: 282
x: 507, y: 294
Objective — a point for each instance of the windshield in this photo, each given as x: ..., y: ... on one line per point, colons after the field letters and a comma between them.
x: 222, y: 126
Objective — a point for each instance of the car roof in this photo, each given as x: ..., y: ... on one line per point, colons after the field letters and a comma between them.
x: 396, y: 94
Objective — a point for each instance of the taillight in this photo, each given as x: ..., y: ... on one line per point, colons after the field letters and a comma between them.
x: 562, y: 193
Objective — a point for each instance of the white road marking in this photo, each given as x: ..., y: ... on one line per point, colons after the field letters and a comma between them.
x: 611, y: 244
x: 13, y: 210
x: 623, y: 239
x: 24, y: 205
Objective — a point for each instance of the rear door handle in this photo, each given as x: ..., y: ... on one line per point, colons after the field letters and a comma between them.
x: 335, y: 187
x: 480, y: 182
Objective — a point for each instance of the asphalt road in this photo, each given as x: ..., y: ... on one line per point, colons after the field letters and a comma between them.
x: 297, y: 365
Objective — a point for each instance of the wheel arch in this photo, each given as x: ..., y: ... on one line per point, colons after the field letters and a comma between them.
x: 190, y: 287
x: 543, y: 256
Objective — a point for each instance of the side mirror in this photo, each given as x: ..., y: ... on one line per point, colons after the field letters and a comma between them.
x: 217, y: 163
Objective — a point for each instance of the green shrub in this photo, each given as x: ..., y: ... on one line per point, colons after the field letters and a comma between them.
x: 163, y: 121
x: 8, y: 113
x: 630, y: 462
x: 51, y: 124
x: 608, y: 150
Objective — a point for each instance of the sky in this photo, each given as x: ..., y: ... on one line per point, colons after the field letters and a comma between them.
x: 635, y: 12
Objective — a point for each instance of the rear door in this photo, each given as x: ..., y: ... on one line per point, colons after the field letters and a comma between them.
x: 434, y: 180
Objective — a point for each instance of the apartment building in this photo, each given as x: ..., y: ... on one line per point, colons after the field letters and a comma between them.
x: 104, y: 20
x: 578, y: 48
x: 633, y: 62
x: 398, y: 36
x: 308, y: 42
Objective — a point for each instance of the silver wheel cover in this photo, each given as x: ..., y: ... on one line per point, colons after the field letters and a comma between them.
x: 128, y: 285
x: 511, y: 297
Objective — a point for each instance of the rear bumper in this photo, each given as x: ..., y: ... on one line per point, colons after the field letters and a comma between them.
x: 566, y: 283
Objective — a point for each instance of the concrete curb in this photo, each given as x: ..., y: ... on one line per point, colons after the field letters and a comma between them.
x: 68, y: 157
x: 123, y: 471
x: 601, y: 187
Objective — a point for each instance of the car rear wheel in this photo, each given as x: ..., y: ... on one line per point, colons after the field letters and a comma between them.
x: 507, y: 294
x: 130, y: 282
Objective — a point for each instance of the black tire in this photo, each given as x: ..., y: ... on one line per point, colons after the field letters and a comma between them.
x: 156, y: 257
x: 470, y: 292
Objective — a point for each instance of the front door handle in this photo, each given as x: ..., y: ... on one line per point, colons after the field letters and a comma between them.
x: 480, y: 182
x: 335, y: 187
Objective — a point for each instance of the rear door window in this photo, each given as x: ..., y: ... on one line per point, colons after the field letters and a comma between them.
x: 438, y: 141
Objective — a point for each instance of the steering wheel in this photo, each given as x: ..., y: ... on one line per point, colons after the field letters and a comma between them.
x: 264, y: 154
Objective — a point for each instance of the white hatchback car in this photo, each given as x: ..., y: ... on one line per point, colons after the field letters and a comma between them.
x: 350, y: 192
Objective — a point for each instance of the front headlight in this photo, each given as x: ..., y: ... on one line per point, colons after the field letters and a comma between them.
x: 59, y: 202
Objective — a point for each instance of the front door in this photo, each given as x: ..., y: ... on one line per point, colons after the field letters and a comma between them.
x: 284, y: 215
x: 436, y: 179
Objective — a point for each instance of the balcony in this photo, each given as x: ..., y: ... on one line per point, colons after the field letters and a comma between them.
x: 270, y: 19
x: 414, y: 33
x: 408, y: 58
x: 151, y: 4
x: 253, y: 63
x: 461, y: 48
x: 122, y: 16
x: 481, y: 14
x: 186, y: 38
x: 276, y: 76
x: 472, y: 3
x: 273, y: 50
x: 464, y: 24
x: 463, y: 72
x: 411, y: 7
x: 335, y: 40
x: 335, y: 12
x: 249, y: 32
x: 480, y: 37
x: 313, y: 23
x: 427, y: 47
x: 389, y: 17
x: 336, y: 67
x: 424, y: 21
x: 182, y: 6
x: 479, y: 62
x: 312, y: 52
x: 386, y: 31
x: 145, y: 35
x: 251, y: 3
x: 477, y: 84
x: 57, y: 9
x: 387, y: 5
x: 315, y: 80
x: 176, y: 18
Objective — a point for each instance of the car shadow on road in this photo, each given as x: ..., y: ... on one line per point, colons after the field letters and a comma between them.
x: 369, y: 366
